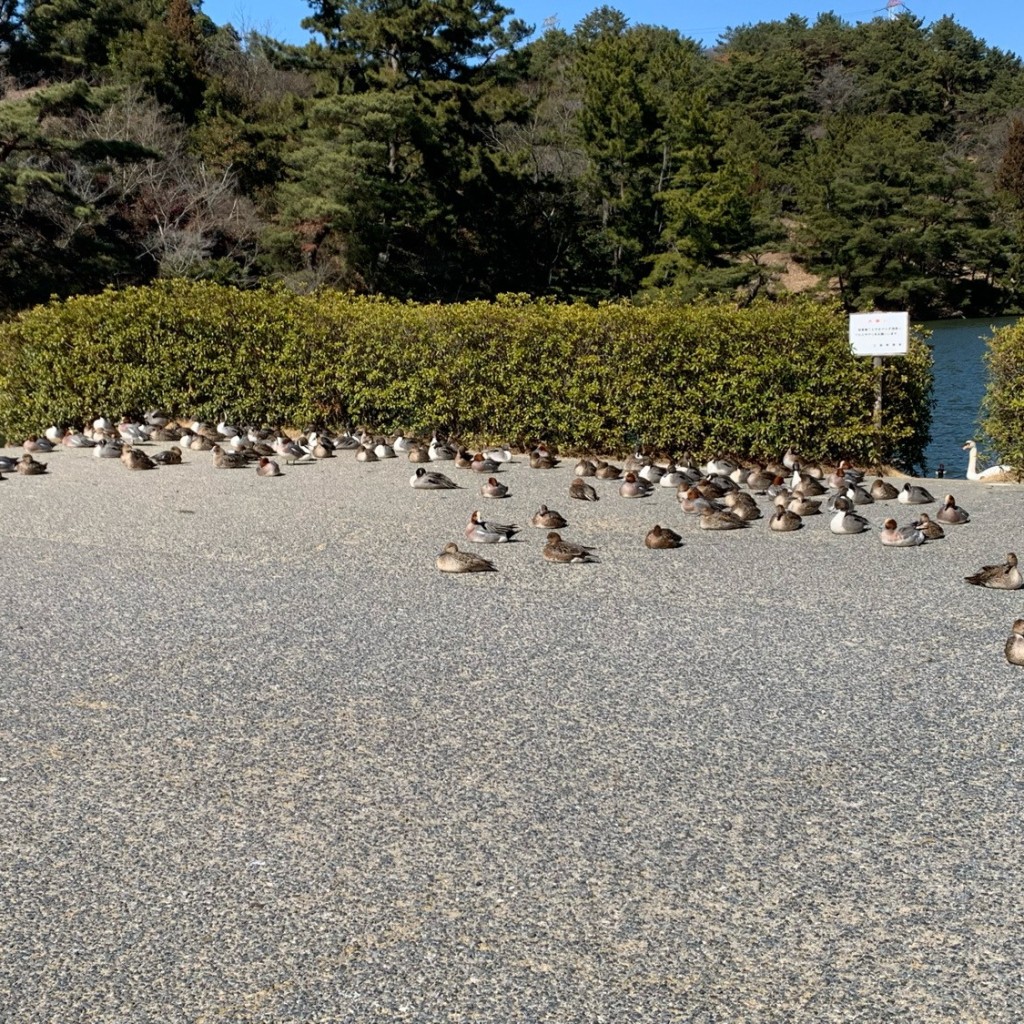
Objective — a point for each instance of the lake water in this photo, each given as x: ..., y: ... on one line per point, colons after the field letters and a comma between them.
x: 958, y: 350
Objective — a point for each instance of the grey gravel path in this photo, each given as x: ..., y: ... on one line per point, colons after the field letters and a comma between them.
x: 261, y: 762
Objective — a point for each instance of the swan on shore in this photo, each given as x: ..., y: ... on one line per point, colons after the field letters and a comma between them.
x: 993, y: 475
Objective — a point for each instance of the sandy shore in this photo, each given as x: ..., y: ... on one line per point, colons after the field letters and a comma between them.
x: 261, y: 762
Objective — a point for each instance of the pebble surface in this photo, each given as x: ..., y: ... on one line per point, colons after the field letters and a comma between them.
x: 261, y: 762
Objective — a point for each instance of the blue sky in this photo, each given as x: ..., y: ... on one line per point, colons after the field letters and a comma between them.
x: 998, y: 22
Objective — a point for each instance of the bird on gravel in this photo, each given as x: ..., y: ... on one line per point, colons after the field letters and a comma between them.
x: 582, y: 491
x: 558, y: 550
x: 661, y: 538
x: 1005, y: 576
x: 492, y: 488
x: 425, y: 480
x: 268, y: 467
x: 951, y: 512
x: 894, y: 536
x: 1014, y: 648
x: 914, y: 494
x: 930, y: 528
x: 548, y: 519
x: 451, y: 559
x: 482, y: 531
x: 27, y: 466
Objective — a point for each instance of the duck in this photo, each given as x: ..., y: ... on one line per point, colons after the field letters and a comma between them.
x: 43, y: 445
x: 227, y: 459
x: 652, y: 473
x: 993, y: 475
x: 383, y: 450
x: 759, y: 480
x: 607, y: 471
x: 846, y: 521
x: 548, y: 519
x: 268, y: 467
x: 541, y: 458
x: 463, y: 460
x: 481, y: 464
x: 633, y: 487
x: 914, y: 494
x: 402, y: 445
x: 882, y: 490
x: 742, y: 504
x: 785, y: 521
x: 493, y: 488
x: 200, y: 443
x: 481, y: 531
x: 498, y: 454
x: 1005, y: 576
x: 107, y: 450
x: 894, y: 536
x: 418, y: 453
x: 134, y: 459
x: 692, y: 502
x: 426, y: 480
x: 661, y: 538
x: 927, y: 526
x: 720, y: 519
x: 27, y: 466
x: 8, y: 463
x: 440, y: 451
x: 77, y: 439
x: 366, y: 454
x: 582, y: 491
x: 170, y: 457
x: 451, y: 559
x: 804, y: 506
x: 585, y: 467
x: 951, y: 512
x: 1014, y: 649
x: 558, y: 550
x: 810, y: 486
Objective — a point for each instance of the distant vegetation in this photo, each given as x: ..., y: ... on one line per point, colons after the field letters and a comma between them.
x: 442, y: 153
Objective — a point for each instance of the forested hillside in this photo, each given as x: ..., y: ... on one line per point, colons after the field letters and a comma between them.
x: 442, y: 151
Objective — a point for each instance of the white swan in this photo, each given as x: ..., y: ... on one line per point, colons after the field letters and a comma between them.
x: 992, y: 475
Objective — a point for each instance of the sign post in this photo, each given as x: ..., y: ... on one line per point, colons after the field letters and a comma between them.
x: 879, y: 335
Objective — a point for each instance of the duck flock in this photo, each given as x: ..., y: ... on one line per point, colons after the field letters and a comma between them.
x: 720, y: 494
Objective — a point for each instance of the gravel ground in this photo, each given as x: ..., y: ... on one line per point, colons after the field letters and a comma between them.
x: 261, y: 762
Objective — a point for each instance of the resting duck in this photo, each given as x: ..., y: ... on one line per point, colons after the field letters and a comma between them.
x: 548, y: 519
x: 134, y: 459
x: 481, y: 464
x: 930, y: 529
x: 268, y: 467
x: 846, y: 521
x: 914, y: 494
x: 720, y: 519
x: 951, y: 512
x: 27, y: 466
x: 585, y: 467
x: 425, y: 480
x: 226, y: 459
x: 633, y: 487
x: 451, y: 559
x: 481, y: 531
x: 882, y: 490
x: 558, y: 550
x: 998, y: 577
x: 607, y: 471
x: 1014, y: 649
x: 785, y: 521
x: 493, y: 489
x: 993, y: 475
x: 894, y: 536
x: 661, y: 538
x: 582, y: 491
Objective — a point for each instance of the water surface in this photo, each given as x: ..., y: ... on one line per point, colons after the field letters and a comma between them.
x: 958, y: 349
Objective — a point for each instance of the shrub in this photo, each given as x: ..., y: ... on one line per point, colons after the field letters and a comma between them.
x: 1003, y: 408
x: 708, y: 377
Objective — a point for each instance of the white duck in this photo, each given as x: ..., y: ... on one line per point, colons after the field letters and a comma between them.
x: 992, y: 475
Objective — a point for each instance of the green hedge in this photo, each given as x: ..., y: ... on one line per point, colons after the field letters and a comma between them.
x: 711, y: 378
x: 1003, y: 421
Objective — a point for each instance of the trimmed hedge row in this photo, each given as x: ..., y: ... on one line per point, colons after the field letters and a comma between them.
x: 711, y: 378
x: 1003, y: 421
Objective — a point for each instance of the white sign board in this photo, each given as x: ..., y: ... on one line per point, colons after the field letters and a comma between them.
x: 879, y: 334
